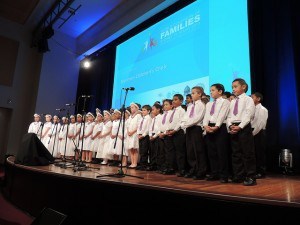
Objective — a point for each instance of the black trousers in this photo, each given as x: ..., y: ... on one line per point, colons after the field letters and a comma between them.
x: 154, y: 148
x: 196, y: 151
x: 175, y: 149
x: 144, y: 147
x: 243, y: 153
x: 218, y: 154
x: 260, y: 151
x: 161, y: 155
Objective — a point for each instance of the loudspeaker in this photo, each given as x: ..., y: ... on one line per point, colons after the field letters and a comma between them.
x: 32, y: 152
x: 49, y: 216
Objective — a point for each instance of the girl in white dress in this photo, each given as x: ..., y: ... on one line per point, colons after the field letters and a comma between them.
x: 115, y: 141
x: 132, y: 137
x: 71, y: 138
x: 53, y: 138
x: 103, y: 149
x: 62, y: 146
x: 96, y: 132
x: 120, y: 135
x: 87, y: 141
x: 78, y: 134
x: 35, y: 127
x: 45, y: 130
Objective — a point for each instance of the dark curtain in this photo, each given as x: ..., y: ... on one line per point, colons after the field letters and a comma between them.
x: 274, y: 30
x: 97, y: 81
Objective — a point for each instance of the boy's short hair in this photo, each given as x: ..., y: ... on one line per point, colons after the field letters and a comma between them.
x: 259, y: 95
x: 147, y: 107
x: 179, y: 96
x: 242, y: 82
x: 199, y: 89
x: 227, y: 94
x: 188, y: 95
x: 219, y: 87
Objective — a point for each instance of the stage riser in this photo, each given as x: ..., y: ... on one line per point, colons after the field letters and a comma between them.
x: 86, y: 200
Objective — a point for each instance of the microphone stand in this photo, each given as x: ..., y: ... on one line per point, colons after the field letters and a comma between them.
x: 80, y: 166
x: 41, y: 126
x: 51, y: 136
x: 120, y: 173
x: 56, y: 124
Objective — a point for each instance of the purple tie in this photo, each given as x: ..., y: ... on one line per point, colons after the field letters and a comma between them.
x: 171, y: 117
x: 141, y: 125
x: 236, y: 106
x: 153, y: 124
x: 212, y: 110
x: 192, y: 111
x: 164, y: 119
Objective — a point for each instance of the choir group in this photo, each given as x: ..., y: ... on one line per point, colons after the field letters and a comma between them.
x: 223, y: 139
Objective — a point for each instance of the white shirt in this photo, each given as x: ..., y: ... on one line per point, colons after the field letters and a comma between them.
x: 220, y: 113
x: 198, y: 115
x: 259, y: 121
x: 163, y: 126
x: 178, y: 115
x: 143, y: 127
x: 35, y: 127
x: 246, y: 109
x: 154, y: 128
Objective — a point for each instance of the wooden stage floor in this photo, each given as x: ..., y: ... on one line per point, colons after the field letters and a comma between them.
x: 275, y: 189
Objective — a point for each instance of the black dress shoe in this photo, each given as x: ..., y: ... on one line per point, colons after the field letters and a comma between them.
x: 212, y: 177
x: 188, y: 175
x: 199, y: 177
x: 169, y: 172
x: 223, y: 180
x: 259, y: 176
x: 150, y: 168
x: 140, y: 167
x: 237, y: 180
x: 249, y: 181
x: 181, y: 173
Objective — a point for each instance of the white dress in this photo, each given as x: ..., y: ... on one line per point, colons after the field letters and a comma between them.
x: 95, y: 143
x: 133, y: 122
x: 70, y: 142
x: 79, y: 128
x: 103, y: 147
x: 45, y: 133
x: 87, y: 142
x: 115, y: 150
x: 62, y: 143
x: 53, y: 137
x: 119, y: 149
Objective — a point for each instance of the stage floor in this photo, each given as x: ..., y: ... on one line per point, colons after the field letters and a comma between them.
x: 275, y: 189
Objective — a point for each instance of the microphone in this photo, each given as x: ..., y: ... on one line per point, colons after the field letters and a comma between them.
x: 60, y: 110
x: 87, y: 96
x: 129, y: 89
x: 70, y: 104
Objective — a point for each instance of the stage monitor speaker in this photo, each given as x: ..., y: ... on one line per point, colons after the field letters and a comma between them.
x: 49, y: 216
x: 32, y: 152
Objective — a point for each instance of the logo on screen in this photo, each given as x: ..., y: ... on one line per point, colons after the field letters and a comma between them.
x: 149, y: 44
